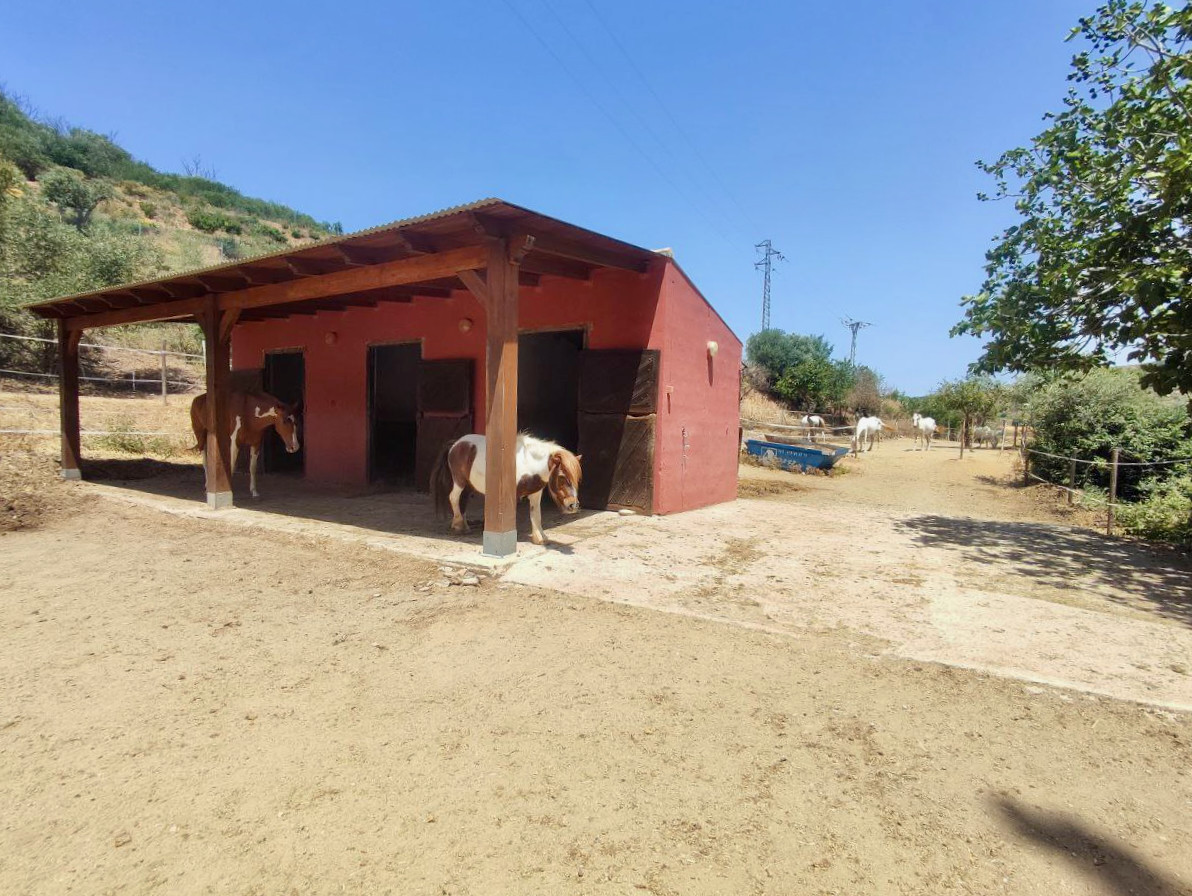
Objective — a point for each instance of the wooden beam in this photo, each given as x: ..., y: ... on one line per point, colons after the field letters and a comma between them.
x: 68, y: 399
x: 226, y: 322
x: 219, y: 283
x: 308, y: 267
x: 557, y: 267
x: 265, y: 276
x: 219, y: 442
x: 356, y: 256
x: 415, y: 243
x: 601, y: 256
x: 500, y: 427
x: 477, y: 287
x: 139, y: 314
x: 392, y: 273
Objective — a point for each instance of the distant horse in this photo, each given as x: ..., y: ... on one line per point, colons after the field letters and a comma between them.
x: 987, y: 435
x: 868, y: 429
x: 541, y: 466
x: 925, y: 428
x: 250, y: 415
x: 812, y: 423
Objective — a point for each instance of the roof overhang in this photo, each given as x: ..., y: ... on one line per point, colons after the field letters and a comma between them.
x: 420, y: 256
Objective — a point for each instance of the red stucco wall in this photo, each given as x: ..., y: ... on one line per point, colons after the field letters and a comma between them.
x: 616, y: 308
x: 695, y: 458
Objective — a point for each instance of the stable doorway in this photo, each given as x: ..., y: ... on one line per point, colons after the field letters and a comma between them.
x: 393, y: 412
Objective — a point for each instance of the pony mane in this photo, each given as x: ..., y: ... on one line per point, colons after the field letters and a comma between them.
x: 542, y: 446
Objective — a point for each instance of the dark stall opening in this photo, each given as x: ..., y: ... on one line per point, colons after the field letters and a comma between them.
x: 548, y: 385
x: 284, y: 377
x: 393, y: 412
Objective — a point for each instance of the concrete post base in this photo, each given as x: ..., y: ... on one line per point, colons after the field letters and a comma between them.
x: 219, y: 500
x: 499, y: 544
x: 71, y: 473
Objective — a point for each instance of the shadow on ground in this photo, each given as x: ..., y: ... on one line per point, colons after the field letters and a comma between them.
x: 1115, y: 869
x: 1130, y: 573
x: 382, y: 509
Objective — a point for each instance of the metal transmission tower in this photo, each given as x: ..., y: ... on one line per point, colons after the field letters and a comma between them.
x: 769, y: 253
x: 854, y: 325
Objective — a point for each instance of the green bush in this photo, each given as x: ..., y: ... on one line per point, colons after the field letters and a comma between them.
x: 210, y: 221
x: 270, y: 232
x: 229, y: 248
x: 148, y: 209
x: 1088, y: 416
x: 1164, y: 513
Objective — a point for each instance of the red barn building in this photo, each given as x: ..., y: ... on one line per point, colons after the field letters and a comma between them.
x: 482, y: 318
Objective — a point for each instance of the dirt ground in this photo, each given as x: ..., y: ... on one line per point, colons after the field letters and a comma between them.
x: 807, y: 703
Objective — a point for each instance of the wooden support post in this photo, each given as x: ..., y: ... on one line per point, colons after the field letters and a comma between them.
x: 68, y: 399
x: 500, y: 471
x: 1113, y: 477
x: 164, y: 387
x: 219, y: 441
x: 1026, y: 465
x: 1072, y: 481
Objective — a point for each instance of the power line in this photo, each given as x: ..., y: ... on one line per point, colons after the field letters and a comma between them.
x: 666, y: 111
x: 607, y: 114
x: 764, y: 264
x: 854, y: 326
x: 640, y: 120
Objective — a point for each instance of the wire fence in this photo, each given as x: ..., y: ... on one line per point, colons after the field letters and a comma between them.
x: 1112, y: 465
x: 161, y: 384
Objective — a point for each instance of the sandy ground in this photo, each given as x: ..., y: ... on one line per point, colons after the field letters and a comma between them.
x: 196, y: 706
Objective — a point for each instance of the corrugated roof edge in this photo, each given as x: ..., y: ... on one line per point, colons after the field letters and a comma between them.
x: 282, y: 253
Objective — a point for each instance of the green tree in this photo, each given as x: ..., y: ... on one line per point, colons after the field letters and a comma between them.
x: 1100, y: 261
x: 75, y: 197
x: 973, y: 400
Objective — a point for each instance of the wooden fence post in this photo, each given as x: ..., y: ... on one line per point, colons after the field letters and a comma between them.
x: 1072, y: 482
x: 1113, y: 474
x: 163, y: 372
x: 1026, y: 466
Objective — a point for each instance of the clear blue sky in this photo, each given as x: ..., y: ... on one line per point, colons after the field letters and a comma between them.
x: 846, y: 133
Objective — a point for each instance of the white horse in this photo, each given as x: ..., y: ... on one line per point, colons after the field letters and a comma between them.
x: 541, y: 467
x: 925, y: 427
x: 811, y: 423
x: 868, y: 428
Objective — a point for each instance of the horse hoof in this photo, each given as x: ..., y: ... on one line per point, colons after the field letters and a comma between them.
x: 536, y: 539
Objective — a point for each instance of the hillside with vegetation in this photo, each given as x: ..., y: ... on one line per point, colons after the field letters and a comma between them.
x: 79, y: 212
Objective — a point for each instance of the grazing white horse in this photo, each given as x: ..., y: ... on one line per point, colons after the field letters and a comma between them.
x: 868, y: 429
x: 811, y: 423
x: 925, y: 427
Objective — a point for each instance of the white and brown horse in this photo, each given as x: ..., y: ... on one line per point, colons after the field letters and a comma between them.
x: 541, y: 466
x: 250, y: 416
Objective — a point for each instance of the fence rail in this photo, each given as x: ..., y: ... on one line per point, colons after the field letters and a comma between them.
x: 1113, y: 465
x: 161, y: 383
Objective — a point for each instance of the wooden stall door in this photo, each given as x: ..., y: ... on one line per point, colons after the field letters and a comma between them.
x: 618, y: 404
x: 444, y: 411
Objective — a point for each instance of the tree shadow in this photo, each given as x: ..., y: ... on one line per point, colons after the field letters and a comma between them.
x: 1134, y: 574
x: 1114, y: 868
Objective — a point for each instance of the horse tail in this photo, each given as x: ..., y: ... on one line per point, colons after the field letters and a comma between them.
x: 441, y: 482
x: 198, y: 421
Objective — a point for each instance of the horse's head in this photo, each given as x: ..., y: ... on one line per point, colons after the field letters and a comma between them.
x: 915, y: 419
x: 563, y: 476
x: 285, y: 421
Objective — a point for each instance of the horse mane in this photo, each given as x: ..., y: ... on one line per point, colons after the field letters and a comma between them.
x: 570, y: 461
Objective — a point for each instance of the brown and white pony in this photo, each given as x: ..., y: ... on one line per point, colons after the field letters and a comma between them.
x: 250, y: 415
x: 541, y: 466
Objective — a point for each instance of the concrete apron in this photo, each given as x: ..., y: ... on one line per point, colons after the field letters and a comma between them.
x: 733, y: 564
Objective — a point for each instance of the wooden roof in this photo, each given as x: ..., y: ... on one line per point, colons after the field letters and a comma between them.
x: 419, y: 256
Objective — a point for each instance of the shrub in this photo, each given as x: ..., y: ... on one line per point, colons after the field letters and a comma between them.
x: 1088, y: 416
x: 209, y: 221
x: 148, y: 209
x: 229, y: 248
x: 1164, y: 513
x: 272, y: 233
